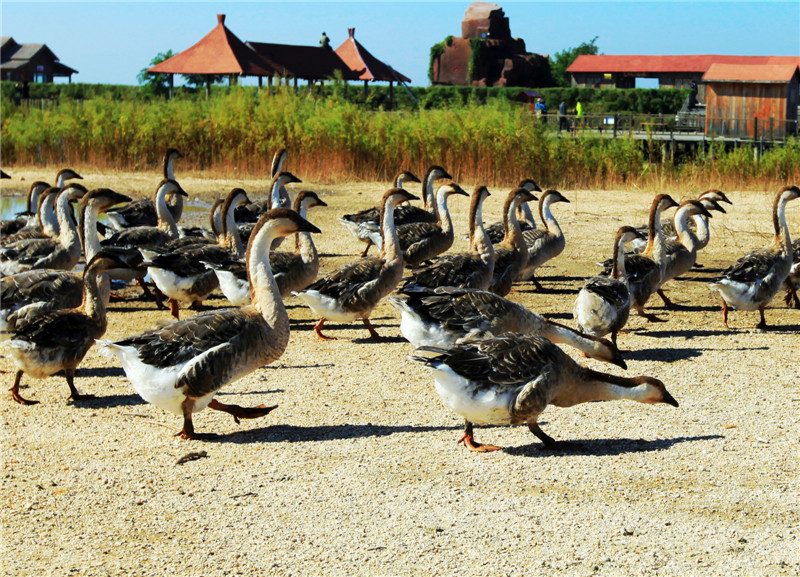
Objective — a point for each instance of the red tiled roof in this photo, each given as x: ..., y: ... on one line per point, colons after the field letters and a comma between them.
x: 218, y: 52
x: 599, y: 63
x: 307, y: 62
x: 365, y: 64
x: 767, y: 73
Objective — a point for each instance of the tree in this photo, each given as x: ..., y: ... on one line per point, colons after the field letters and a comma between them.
x: 563, y: 60
x: 157, y: 83
x: 198, y: 80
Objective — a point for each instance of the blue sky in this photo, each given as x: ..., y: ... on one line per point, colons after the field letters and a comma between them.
x: 110, y: 42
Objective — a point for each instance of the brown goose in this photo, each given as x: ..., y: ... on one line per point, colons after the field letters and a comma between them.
x: 355, y: 289
x: 644, y: 271
x: 181, y: 366
x: 143, y: 212
x: 252, y: 211
x: 292, y: 271
x: 44, y: 342
x: 752, y: 281
x: 682, y: 254
x: 62, y: 252
x: 603, y: 304
x: 30, y: 216
x: 364, y: 223
x: 793, y: 280
x: 44, y: 225
x: 60, y: 289
x: 525, y: 216
x: 466, y: 269
x: 511, y: 255
x: 448, y: 316
x: 509, y: 380
x: 422, y: 241
x: 181, y: 273
x: 543, y: 244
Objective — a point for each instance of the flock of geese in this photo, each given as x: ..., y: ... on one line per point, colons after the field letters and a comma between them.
x: 494, y: 361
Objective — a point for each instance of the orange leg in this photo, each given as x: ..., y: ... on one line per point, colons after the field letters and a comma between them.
x: 372, y: 332
x: 239, y: 412
x: 725, y: 314
x: 156, y: 295
x: 175, y: 309
x: 15, y: 391
x: 74, y: 394
x: 318, y: 331
x: 188, y: 426
x: 470, y: 443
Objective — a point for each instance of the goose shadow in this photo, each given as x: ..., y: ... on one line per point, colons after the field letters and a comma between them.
x: 603, y: 447
x: 545, y: 291
x: 295, y: 434
x: 108, y: 372
x: 109, y: 401
x: 686, y: 333
x: 560, y: 316
x: 662, y: 355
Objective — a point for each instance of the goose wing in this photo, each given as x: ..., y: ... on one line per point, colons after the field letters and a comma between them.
x: 406, y: 214
x: 610, y: 290
x: 457, y: 309
x: 455, y: 270
x: 60, y: 329
x: 63, y: 289
x: 501, y: 363
x: 750, y: 268
x: 349, y: 282
x: 138, y: 236
x: 365, y: 216
x: 189, y: 262
x: 140, y: 212
x: 30, y: 251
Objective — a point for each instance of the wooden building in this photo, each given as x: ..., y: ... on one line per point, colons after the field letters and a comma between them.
x: 30, y: 63
x: 752, y: 101
x: 365, y: 65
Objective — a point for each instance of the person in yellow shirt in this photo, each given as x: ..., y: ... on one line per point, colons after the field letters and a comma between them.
x: 579, y: 113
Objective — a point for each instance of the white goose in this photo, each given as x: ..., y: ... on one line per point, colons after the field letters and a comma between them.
x: 354, y: 290
x: 543, y: 244
x: 181, y: 366
x: 510, y: 379
x: 448, y: 316
x: 603, y: 304
x: 753, y: 280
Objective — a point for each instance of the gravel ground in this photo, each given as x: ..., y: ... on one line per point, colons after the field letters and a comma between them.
x: 357, y: 472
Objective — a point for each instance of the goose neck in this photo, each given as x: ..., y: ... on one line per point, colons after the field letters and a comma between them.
x: 445, y: 221
x: 479, y: 239
x: 231, y: 235
x: 305, y: 243
x: 47, y: 217
x: 88, y: 231
x: 165, y: 219
x: 597, y: 386
x: 93, y: 304
x: 390, y: 241
x: 782, y: 235
x: 618, y: 264
x: 68, y: 231
x: 264, y: 292
x: 685, y: 235
x: 546, y: 214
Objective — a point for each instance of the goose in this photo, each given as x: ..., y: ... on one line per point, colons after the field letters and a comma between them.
x: 525, y: 216
x: 752, y: 281
x: 698, y: 224
x: 644, y: 271
x: 62, y: 252
x: 682, y: 254
x: 44, y: 342
x: 511, y: 255
x: 252, y: 211
x: 512, y: 378
x: 44, y: 225
x: 29, y: 217
x: 422, y: 241
x: 361, y: 224
x: 60, y: 289
x: 292, y: 271
x: 143, y: 211
x: 180, y: 367
x: 603, y: 304
x: 354, y: 290
x: 447, y: 316
x: 466, y: 269
x: 543, y: 244
x: 167, y: 228
x: 180, y: 273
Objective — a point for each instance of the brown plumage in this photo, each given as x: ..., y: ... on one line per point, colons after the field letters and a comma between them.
x: 511, y: 254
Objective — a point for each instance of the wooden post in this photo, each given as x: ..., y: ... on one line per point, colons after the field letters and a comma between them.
x: 755, y: 128
x: 391, y: 94
x: 260, y: 82
x: 295, y: 83
x: 171, y: 84
x: 365, y: 89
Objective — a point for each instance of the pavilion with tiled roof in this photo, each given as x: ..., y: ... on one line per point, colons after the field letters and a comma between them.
x: 365, y: 65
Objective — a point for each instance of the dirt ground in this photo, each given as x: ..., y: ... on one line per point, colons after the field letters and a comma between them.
x: 357, y: 472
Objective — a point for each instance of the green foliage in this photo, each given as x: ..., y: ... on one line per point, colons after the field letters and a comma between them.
x: 476, y: 48
x: 436, y: 51
x: 157, y: 84
x: 563, y: 60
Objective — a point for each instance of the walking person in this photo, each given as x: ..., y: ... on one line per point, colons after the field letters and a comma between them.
x: 562, y: 116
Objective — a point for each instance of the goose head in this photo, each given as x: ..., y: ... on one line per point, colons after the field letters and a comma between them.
x: 654, y: 391
x: 692, y: 207
x: 449, y: 189
x: 307, y: 199
x: 278, y: 159
x: 663, y: 202
x: 403, y: 177
x: 714, y: 194
x: 788, y: 193
x: 102, y: 199
x: 434, y: 173
x: 395, y: 196
x: 529, y: 184
x: 280, y: 222
x: 3, y: 174
x: 712, y: 204
x: 283, y: 178
x: 66, y: 174
x: 626, y: 234
x: 169, y: 186
x: 74, y: 190
x: 551, y: 196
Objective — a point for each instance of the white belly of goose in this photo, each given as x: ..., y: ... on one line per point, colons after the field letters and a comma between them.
x: 486, y: 407
x: 37, y: 362
x: 594, y: 315
x: 235, y: 290
x: 324, y: 306
x: 422, y: 334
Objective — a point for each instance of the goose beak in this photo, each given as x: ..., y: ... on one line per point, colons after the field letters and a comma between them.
x: 618, y: 360
x: 669, y: 399
x: 306, y: 226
